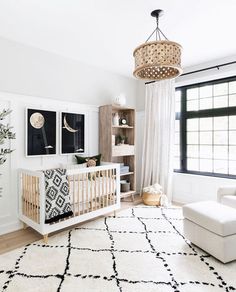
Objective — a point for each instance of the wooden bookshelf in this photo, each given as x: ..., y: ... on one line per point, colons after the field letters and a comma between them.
x: 124, y: 153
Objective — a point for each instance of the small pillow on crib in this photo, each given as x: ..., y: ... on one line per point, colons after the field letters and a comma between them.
x: 81, y: 160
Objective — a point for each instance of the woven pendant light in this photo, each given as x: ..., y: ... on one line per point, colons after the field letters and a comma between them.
x: 160, y: 59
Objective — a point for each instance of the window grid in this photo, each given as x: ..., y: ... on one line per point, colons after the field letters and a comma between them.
x: 225, y: 164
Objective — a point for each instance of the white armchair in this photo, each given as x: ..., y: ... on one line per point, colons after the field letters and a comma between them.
x: 227, y: 196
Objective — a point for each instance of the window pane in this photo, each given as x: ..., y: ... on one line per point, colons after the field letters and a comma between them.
x: 221, y: 166
x: 220, y: 89
x: 206, y: 124
x: 232, y: 167
x: 220, y: 152
x: 193, y: 151
x: 221, y: 137
x: 232, y: 152
x: 205, y: 151
x: 221, y: 123
x: 192, y: 138
x: 232, y: 100
x: 206, y: 137
x: 206, y: 165
x: 232, y: 87
x: 232, y: 137
x: 206, y: 91
x: 192, y: 93
x: 192, y: 164
x: 232, y: 122
x: 221, y: 101
x: 205, y: 103
x: 192, y: 105
x: 192, y: 124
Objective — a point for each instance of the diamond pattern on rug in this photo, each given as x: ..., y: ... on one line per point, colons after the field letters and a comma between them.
x: 141, y: 250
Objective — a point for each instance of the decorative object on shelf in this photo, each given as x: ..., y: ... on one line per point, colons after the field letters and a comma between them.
x: 5, y: 134
x: 41, y: 132
x: 72, y: 133
x: 120, y: 100
x: 153, y: 196
x: 124, y: 186
x: 124, y: 168
x: 123, y: 121
x: 121, y: 139
x: 160, y: 59
x: 115, y: 119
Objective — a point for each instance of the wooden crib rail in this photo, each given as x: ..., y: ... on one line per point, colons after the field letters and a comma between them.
x: 92, y: 190
x: 30, y: 192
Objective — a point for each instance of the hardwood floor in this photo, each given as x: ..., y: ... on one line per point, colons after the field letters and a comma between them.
x: 22, y: 237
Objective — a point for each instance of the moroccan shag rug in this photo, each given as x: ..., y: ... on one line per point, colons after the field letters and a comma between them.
x: 142, y: 249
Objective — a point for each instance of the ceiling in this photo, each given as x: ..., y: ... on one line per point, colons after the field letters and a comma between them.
x: 104, y: 33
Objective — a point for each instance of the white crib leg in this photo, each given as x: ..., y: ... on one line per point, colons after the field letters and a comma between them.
x: 45, y: 238
x: 114, y: 213
x: 24, y: 225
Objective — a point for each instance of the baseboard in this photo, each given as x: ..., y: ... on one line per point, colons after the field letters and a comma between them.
x: 10, y: 227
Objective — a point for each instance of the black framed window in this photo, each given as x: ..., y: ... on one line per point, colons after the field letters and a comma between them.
x: 205, y: 129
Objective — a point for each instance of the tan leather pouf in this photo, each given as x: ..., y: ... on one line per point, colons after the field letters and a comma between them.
x: 151, y: 199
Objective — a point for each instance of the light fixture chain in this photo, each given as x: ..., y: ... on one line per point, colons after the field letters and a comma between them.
x: 151, y: 34
x: 157, y: 30
x: 162, y: 34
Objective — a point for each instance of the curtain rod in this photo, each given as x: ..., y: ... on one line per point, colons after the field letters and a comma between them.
x: 200, y: 70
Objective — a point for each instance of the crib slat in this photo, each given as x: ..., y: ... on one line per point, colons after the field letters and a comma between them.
x: 30, y: 197
x: 38, y: 208
x: 78, y: 199
x: 113, y: 185
x: 35, y: 204
x: 107, y: 192
x: 95, y: 191
x: 27, y: 196
x: 87, y: 195
x: 99, y: 189
x: 103, y: 186
x: 73, y: 196
x: 33, y: 197
x: 91, y: 192
x: 110, y: 193
x: 83, y: 201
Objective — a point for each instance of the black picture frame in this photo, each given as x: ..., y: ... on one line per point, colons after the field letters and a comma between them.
x: 72, y: 133
x: 41, y: 132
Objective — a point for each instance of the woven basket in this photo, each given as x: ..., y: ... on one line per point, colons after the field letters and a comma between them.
x: 151, y: 199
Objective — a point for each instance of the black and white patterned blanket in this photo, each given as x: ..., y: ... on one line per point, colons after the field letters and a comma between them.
x: 58, y: 204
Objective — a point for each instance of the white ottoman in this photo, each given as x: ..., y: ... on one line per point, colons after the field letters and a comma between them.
x: 212, y: 227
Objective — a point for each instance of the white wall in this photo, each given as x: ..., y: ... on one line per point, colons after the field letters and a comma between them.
x: 31, y: 71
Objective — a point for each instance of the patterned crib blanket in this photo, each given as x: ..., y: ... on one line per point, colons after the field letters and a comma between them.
x: 58, y: 204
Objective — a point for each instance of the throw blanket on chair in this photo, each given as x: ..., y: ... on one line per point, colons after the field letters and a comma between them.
x: 58, y: 204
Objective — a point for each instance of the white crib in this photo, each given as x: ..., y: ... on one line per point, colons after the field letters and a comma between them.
x: 94, y: 191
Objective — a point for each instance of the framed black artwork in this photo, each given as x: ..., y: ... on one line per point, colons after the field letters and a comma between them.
x: 72, y: 133
x: 41, y: 132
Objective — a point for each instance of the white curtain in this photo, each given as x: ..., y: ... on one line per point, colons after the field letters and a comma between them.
x: 157, y: 158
